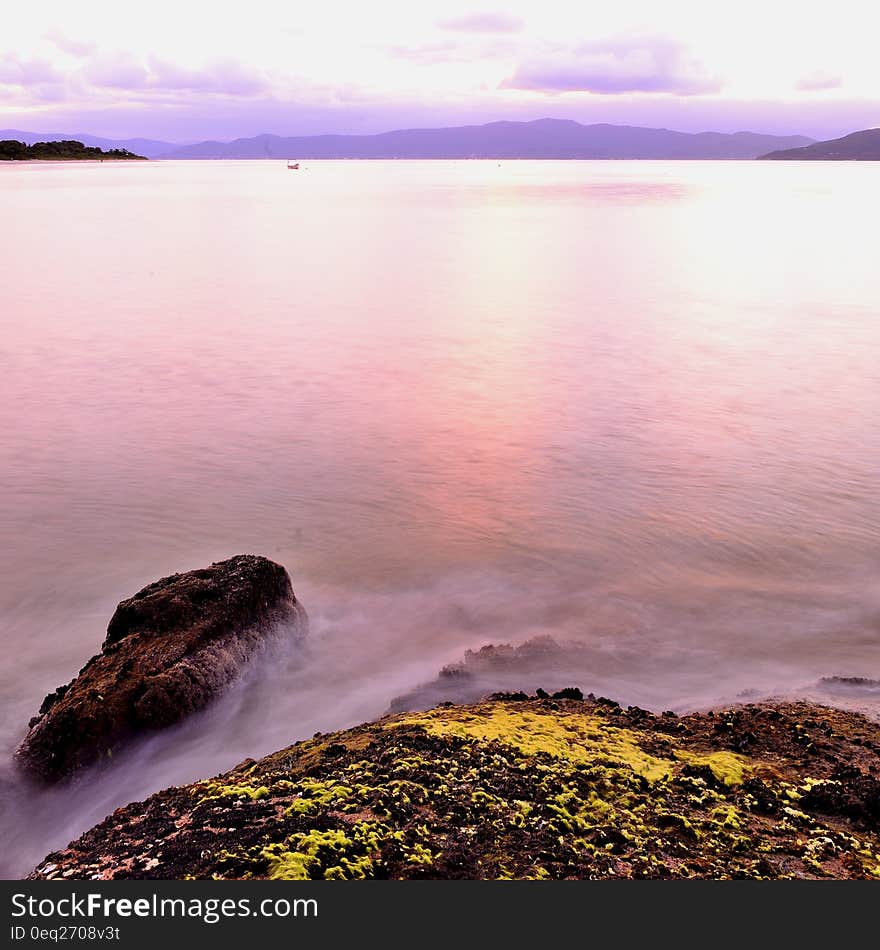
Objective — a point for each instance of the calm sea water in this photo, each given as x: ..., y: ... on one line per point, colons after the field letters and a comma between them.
x: 632, y: 404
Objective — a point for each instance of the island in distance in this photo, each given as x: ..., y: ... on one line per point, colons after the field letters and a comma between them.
x: 66, y: 150
x: 857, y: 147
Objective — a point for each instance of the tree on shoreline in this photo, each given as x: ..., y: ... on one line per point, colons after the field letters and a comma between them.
x: 12, y: 150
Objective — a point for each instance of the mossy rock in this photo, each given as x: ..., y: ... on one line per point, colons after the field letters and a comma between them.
x: 521, y: 789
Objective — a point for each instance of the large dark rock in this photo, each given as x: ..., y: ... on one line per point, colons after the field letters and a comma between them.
x: 169, y: 651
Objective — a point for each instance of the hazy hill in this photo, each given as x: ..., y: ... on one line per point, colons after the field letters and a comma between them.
x: 857, y: 147
x: 542, y: 138
x: 149, y: 148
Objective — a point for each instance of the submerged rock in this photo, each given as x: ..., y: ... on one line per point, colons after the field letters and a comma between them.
x: 169, y: 651
x: 526, y: 788
x: 855, y: 685
x: 498, y: 668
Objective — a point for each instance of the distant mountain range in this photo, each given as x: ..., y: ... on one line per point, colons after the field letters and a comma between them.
x: 149, y: 148
x: 542, y: 138
x: 857, y: 147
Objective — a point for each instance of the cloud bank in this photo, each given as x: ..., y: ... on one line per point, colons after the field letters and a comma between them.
x: 98, y: 72
x: 624, y: 65
x: 15, y: 70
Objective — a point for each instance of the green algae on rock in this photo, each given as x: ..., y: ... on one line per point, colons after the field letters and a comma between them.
x: 531, y: 789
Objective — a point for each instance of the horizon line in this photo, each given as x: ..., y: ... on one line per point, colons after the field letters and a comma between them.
x: 419, y: 128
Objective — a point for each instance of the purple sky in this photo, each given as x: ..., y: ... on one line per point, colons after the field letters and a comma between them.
x: 194, y: 71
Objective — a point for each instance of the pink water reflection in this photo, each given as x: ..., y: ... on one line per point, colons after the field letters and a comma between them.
x: 634, y: 403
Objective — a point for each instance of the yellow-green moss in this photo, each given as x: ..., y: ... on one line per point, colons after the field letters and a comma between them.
x: 419, y: 854
x: 726, y: 816
x: 217, y: 790
x: 295, y: 863
x: 579, y: 740
x: 315, y: 795
x: 727, y: 767
x: 332, y: 855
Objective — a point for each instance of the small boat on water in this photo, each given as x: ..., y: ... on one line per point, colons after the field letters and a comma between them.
x: 293, y: 166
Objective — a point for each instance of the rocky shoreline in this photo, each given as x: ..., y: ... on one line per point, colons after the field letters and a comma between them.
x: 453, y: 782
x: 521, y: 787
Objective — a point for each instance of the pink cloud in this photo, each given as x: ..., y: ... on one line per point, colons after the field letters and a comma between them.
x: 651, y: 64
x: 72, y: 47
x: 115, y: 71
x: 222, y: 77
x: 16, y: 71
x: 817, y: 81
x: 445, y: 52
x: 123, y: 72
x: 483, y: 23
